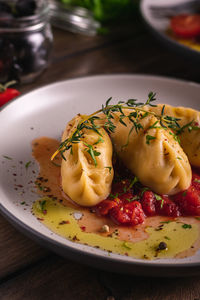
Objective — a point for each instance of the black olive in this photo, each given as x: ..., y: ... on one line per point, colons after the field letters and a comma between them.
x: 162, y: 246
x: 24, y: 55
x: 25, y: 8
x: 5, y: 8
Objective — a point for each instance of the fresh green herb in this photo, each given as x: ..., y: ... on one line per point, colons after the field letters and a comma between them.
x: 134, y: 198
x: 159, y: 198
x: 27, y: 164
x: 7, y: 157
x: 124, y: 189
x: 109, y: 168
x: 144, y: 115
x: 23, y: 202
x: 104, y: 10
x: 188, y: 126
x: 41, y: 188
x: 154, y: 125
x: 167, y: 238
x: 184, y: 194
x: 151, y: 98
x: 133, y: 182
x: 162, y: 111
x: 103, y: 30
x: 176, y: 138
x: 149, y: 138
x: 162, y: 203
x: 166, y: 222
x: 42, y: 205
x: 185, y: 226
x: 100, y: 140
x: 127, y: 142
x: 137, y: 113
x: 197, y: 180
x: 55, y: 164
x: 144, y: 190
x: 179, y: 158
x: 93, y: 153
x: 112, y: 196
x: 125, y: 245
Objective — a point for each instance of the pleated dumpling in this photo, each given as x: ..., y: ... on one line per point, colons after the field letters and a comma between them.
x: 190, y: 134
x: 85, y: 180
x: 153, y: 155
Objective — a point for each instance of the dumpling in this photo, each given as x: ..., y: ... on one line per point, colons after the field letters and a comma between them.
x: 153, y: 155
x: 190, y: 138
x: 84, y: 181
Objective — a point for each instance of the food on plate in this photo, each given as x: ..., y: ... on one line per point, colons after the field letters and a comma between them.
x: 186, y: 30
x: 132, y: 198
x: 189, y: 132
x: 145, y: 139
x: 86, y: 169
x: 152, y: 154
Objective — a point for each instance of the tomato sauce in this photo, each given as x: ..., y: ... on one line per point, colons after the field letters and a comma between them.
x: 130, y: 205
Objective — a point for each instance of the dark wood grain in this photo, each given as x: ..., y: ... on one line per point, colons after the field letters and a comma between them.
x: 68, y: 44
x: 133, y: 288
x: 55, y: 278
x: 16, y: 251
x: 136, y: 54
x: 30, y: 272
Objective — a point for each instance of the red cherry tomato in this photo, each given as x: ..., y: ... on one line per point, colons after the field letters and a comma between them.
x: 186, y: 26
x: 105, y: 206
x: 189, y: 200
x: 128, y: 214
x: 148, y: 202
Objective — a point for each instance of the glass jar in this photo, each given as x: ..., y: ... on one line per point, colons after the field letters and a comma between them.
x: 73, y: 18
x: 26, y: 44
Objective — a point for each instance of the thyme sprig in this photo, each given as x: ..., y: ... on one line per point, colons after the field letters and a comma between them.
x: 138, y: 112
x: 93, y: 153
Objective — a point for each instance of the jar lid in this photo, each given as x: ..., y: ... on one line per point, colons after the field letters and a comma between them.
x: 10, y: 24
x: 73, y: 18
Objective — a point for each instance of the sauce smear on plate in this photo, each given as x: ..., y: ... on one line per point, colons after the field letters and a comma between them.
x: 157, y: 237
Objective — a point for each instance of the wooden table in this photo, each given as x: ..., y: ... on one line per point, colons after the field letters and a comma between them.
x: 30, y: 272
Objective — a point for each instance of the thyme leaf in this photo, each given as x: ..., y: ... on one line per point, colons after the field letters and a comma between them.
x: 149, y: 138
x: 93, y: 153
x: 27, y: 164
x: 159, y: 198
x: 187, y: 226
x: 109, y: 168
x: 137, y: 113
x: 7, y: 157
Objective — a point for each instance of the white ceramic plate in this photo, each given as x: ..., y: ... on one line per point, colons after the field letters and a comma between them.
x: 44, y: 112
x: 158, y: 25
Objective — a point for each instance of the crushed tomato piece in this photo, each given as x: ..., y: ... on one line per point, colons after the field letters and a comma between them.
x: 128, y: 205
x: 189, y: 200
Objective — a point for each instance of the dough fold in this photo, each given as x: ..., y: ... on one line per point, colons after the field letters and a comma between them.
x: 153, y: 155
x: 84, y: 182
x: 190, y: 138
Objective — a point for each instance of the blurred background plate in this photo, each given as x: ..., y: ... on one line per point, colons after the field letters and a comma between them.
x: 156, y: 15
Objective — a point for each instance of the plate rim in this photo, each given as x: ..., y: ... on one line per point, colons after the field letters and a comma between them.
x: 100, y: 75
x: 41, y: 238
